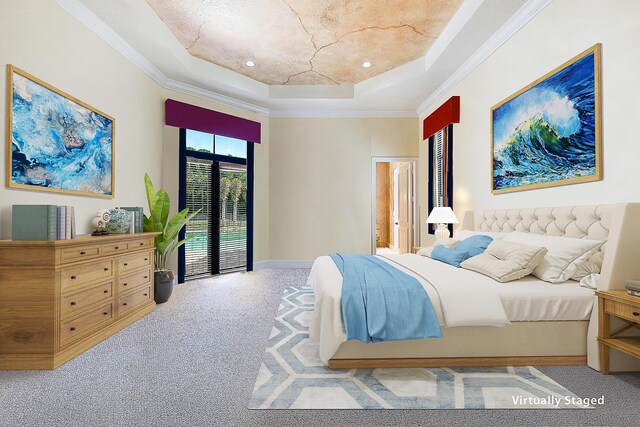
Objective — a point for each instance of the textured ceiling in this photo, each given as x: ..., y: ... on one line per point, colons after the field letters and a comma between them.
x: 306, y: 42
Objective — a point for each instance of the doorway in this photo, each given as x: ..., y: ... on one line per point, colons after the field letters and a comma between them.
x: 394, y: 206
x: 216, y: 178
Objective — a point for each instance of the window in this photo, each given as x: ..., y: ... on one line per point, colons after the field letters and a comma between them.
x: 441, y: 169
x: 224, y: 146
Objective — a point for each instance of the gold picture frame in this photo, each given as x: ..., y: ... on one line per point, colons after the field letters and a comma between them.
x: 561, y: 131
x: 55, y: 142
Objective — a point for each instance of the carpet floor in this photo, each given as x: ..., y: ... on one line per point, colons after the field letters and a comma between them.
x: 194, y: 362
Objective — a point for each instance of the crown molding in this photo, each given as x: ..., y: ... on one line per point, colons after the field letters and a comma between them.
x: 342, y: 114
x: 517, y: 21
x: 213, y: 96
x: 79, y: 11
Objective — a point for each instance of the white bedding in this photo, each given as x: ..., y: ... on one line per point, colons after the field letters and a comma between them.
x: 459, y: 298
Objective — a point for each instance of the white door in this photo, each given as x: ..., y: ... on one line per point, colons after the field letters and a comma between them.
x: 396, y: 212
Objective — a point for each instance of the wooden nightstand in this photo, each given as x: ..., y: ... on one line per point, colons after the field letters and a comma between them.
x: 623, y: 306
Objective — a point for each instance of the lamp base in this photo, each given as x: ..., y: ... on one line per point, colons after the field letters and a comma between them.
x: 442, y: 232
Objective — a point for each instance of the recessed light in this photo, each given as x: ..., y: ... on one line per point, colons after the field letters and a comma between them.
x: 250, y: 63
x: 366, y: 64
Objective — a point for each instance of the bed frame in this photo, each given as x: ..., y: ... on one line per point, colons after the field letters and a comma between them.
x: 525, y: 343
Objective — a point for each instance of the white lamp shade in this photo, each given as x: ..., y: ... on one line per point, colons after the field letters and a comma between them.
x: 443, y: 215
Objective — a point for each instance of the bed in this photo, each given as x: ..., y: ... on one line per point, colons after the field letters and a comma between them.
x: 533, y: 323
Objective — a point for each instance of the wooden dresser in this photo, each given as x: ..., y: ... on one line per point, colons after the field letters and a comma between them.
x: 59, y: 298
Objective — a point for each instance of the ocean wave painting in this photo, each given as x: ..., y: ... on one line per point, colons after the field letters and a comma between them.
x: 548, y: 133
x: 57, y: 142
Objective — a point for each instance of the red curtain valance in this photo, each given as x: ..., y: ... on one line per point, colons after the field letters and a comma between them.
x: 182, y: 115
x: 447, y: 113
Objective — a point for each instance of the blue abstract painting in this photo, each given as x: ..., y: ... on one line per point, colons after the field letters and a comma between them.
x: 548, y: 134
x: 57, y: 142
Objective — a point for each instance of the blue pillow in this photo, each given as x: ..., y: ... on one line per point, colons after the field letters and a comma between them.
x: 450, y: 256
x: 475, y: 245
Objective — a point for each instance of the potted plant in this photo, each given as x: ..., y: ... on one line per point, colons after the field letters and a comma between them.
x: 167, y: 241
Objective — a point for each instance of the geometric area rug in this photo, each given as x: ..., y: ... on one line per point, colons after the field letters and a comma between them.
x: 292, y: 376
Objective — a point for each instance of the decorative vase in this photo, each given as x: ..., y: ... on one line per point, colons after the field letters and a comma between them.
x: 163, y: 285
x: 119, y: 221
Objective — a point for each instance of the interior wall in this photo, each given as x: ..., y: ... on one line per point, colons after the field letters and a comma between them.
x: 39, y: 37
x: 320, y: 181
x: 382, y: 204
x: 559, y: 32
x: 171, y: 169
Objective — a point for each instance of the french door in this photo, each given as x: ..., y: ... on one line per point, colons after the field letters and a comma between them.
x: 219, y: 236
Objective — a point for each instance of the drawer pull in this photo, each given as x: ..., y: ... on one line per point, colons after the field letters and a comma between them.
x: 146, y: 259
x: 73, y: 303
x: 106, y: 291
x: 106, y: 269
x: 73, y: 328
x: 106, y: 313
x: 126, y: 263
x: 635, y: 313
x: 141, y: 244
x: 124, y: 284
x: 145, y: 295
x: 83, y: 253
x: 73, y: 277
x: 124, y: 303
x: 146, y: 277
x: 116, y: 248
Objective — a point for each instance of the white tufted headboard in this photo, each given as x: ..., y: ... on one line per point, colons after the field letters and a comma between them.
x: 618, y: 225
x: 589, y: 222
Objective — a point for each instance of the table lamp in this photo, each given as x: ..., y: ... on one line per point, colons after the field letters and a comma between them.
x: 442, y: 216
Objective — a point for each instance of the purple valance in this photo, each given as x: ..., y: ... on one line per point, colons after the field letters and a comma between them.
x: 182, y: 115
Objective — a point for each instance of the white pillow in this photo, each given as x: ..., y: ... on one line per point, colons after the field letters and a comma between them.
x: 463, y: 234
x: 585, y: 269
x: 564, y: 254
x: 447, y: 243
x: 506, y: 261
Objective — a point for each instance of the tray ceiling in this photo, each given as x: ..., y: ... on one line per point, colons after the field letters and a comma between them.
x: 302, y: 42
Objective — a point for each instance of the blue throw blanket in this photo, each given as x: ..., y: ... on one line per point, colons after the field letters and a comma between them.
x: 381, y: 303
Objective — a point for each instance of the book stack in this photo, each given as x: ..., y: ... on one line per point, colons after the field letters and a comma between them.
x: 137, y: 218
x: 633, y: 287
x: 43, y: 222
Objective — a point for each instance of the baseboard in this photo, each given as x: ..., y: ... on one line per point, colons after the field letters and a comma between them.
x: 283, y: 263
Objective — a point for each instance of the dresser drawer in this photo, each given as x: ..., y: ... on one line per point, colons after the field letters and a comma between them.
x: 132, y: 301
x: 128, y: 283
x: 75, y: 301
x: 625, y: 311
x: 140, y: 244
x: 75, y: 276
x: 115, y: 248
x: 135, y: 261
x: 79, y: 253
x: 85, y: 324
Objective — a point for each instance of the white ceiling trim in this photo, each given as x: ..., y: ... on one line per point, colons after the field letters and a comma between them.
x: 212, y: 96
x: 341, y: 114
x: 517, y: 21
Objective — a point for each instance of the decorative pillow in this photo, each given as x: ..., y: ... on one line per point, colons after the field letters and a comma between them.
x: 447, y: 243
x: 585, y: 269
x: 463, y: 234
x: 450, y: 256
x: 506, y: 261
x: 564, y: 254
x: 475, y: 245
x: 590, y: 281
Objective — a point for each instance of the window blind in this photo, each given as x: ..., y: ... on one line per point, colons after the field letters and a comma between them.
x: 233, y: 216
x: 438, y: 168
x: 198, y: 249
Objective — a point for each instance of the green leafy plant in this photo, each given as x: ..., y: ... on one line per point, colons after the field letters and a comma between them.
x: 158, y: 221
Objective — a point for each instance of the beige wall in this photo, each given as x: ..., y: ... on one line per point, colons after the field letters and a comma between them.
x: 41, y: 38
x: 556, y: 34
x: 261, y: 168
x: 320, y: 181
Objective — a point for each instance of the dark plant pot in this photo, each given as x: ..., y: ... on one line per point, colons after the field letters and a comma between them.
x: 163, y: 286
